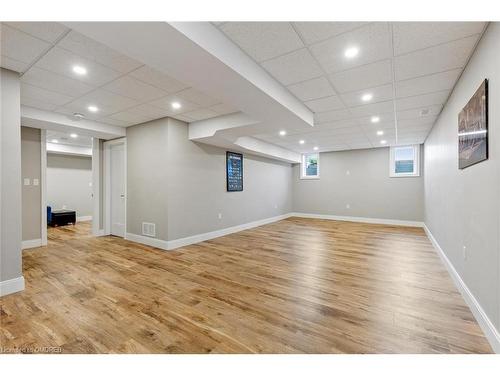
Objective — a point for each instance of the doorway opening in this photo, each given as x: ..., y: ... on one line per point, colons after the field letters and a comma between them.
x: 115, y: 187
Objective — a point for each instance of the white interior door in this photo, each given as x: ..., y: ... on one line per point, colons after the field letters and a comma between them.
x: 117, y: 189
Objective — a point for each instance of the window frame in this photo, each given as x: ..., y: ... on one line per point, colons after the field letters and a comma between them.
x: 416, y: 161
x: 303, y: 175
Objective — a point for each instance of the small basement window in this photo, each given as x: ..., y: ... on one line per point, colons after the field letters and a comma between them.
x: 310, y: 166
x: 405, y: 161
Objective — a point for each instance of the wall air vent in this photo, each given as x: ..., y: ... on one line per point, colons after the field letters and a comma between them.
x: 149, y: 229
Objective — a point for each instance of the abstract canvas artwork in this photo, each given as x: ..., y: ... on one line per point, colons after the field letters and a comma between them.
x: 473, y: 129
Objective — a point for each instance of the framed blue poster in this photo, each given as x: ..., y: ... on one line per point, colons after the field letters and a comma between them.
x: 234, y: 171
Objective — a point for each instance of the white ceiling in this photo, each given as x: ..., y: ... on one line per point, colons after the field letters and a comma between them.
x: 408, y: 67
x: 125, y: 91
x: 66, y: 139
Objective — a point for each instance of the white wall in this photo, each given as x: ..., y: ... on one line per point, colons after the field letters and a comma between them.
x: 10, y: 183
x: 31, y: 168
x: 180, y: 185
x: 462, y: 207
x: 69, y: 181
x: 360, y: 179
x: 197, y: 187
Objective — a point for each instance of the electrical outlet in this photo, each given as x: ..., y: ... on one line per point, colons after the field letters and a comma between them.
x: 26, y: 182
x: 347, y: 205
x: 220, y: 216
x: 348, y: 172
x: 464, y: 252
x: 35, y: 182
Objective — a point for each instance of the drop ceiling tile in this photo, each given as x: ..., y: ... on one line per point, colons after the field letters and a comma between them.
x: 135, y: 89
x: 158, y: 79
x: 411, y: 36
x: 330, y: 116
x: 355, y: 139
x: 414, y: 132
x: 182, y: 118
x: 417, y: 123
x: 150, y: 111
x: 166, y: 104
x: 293, y: 67
x: 223, y: 109
x: 435, y: 59
x: 359, y: 145
x: 329, y: 103
x: 385, y: 120
x: 313, y: 32
x: 47, y: 31
x: 352, y: 131
x: 434, y: 110
x: 372, y: 134
x: 20, y: 46
x: 130, y: 117
x: 194, y: 96
x: 61, y: 61
x: 433, y: 98
x: 375, y: 109
x: 37, y: 93
x: 362, y: 77
x: 35, y: 103
x: 55, y: 82
x: 142, y: 113
x: 263, y: 40
x: 427, y: 84
x: 12, y: 64
x: 380, y: 94
x: 312, y: 89
x: 115, y: 122
x: 108, y: 103
x: 348, y: 123
x: 200, y: 114
x: 101, y: 54
x: 339, y: 147
x: 373, y: 41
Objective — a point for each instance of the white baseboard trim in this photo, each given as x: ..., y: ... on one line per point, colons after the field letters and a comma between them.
x: 174, y: 244
x: 358, y: 219
x: 484, y: 321
x: 150, y: 241
x: 84, y: 218
x: 28, y: 244
x: 11, y: 286
x: 100, y: 233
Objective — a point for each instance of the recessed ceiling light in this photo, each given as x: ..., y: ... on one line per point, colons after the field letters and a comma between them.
x: 375, y: 119
x: 73, y: 135
x: 176, y: 105
x: 351, y: 52
x: 367, y: 97
x: 383, y: 142
x: 315, y: 148
x: 380, y: 132
x: 80, y: 70
x: 92, y: 108
x: 282, y: 132
x: 55, y: 141
x: 302, y: 141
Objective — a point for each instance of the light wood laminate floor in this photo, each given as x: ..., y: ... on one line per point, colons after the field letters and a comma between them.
x: 294, y: 286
